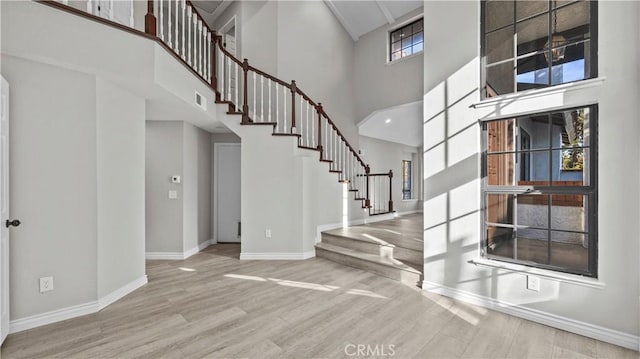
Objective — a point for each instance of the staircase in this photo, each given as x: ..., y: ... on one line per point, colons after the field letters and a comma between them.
x: 391, y: 248
x: 260, y: 99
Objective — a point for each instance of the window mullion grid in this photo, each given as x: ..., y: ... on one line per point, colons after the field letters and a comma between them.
x: 549, y: 49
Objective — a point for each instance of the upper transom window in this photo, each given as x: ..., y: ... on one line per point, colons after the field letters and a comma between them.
x: 406, y: 40
x: 534, y: 44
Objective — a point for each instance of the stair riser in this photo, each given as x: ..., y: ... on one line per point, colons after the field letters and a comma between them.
x: 403, y: 254
x: 400, y: 275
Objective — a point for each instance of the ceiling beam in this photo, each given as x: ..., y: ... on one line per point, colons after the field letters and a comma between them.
x: 341, y: 19
x: 385, y: 12
x: 220, y: 9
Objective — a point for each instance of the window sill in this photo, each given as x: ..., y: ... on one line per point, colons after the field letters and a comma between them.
x: 523, y: 95
x: 389, y: 62
x: 557, y: 276
x: 409, y: 200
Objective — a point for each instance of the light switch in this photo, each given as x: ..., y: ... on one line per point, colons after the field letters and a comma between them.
x: 175, y: 179
x: 173, y: 194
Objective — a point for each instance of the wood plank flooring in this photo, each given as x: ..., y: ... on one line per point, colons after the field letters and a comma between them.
x: 216, y: 306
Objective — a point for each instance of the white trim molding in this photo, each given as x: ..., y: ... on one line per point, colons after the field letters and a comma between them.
x: 276, y: 256
x: 74, y: 311
x: 53, y: 316
x: 178, y: 256
x: 121, y: 292
x: 574, y: 326
x: 164, y: 256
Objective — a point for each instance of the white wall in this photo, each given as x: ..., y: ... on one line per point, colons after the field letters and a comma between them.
x: 164, y: 158
x: 302, y: 41
x: 383, y: 156
x: 53, y: 185
x: 380, y: 84
x: 177, y: 148
x: 77, y: 159
x: 197, y: 186
x: 120, y: 134
x: 452, y: 175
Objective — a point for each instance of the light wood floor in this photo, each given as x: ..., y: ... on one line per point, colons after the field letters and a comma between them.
x: 214, y: 305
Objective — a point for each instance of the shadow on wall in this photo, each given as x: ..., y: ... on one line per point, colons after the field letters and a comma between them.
x: 452, y: 182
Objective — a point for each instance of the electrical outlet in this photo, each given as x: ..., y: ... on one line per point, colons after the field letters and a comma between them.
x: 267, y: 233
x: 46, y: 284
x: 533, y: 283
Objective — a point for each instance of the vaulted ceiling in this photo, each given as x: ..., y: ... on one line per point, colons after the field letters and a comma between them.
x: 361, y: 17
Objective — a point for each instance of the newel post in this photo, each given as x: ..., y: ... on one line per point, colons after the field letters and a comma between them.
x: 390, y: 191
x: 319, y: 110
x: 367, y: 201
x: 293, y: 106
x: 150, y: 20
x: 245, y: 105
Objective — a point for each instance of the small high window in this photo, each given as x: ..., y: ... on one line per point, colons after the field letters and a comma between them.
x: 406, y: 179
x: 534, y: 44
x: 539, y: 190
x: 406, y: 40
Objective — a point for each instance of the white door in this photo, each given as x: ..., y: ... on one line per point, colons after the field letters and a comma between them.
x: 120, y: 11
x: 4, y: 210
x: 227, y: 192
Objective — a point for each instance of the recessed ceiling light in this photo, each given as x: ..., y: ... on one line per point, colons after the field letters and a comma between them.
x: 387, y: 120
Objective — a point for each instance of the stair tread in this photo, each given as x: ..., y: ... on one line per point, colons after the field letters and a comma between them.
x: 389, y: 262
x: 380, y: 236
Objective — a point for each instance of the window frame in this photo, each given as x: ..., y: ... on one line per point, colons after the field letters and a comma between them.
x: 593, y: 40
x: 408, y: 22
x: 409, y: 181
x: 589, y: 191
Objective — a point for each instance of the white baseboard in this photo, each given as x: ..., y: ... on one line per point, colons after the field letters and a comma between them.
x: 74, y: 311
x: 53, y: 316
x: 278, y: 256
x: 121, y: 292
x: 582, y: 328
x: 164, y: 255
x: 173, y: 256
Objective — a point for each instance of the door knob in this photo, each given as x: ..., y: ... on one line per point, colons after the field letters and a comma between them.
x: 14, y: 223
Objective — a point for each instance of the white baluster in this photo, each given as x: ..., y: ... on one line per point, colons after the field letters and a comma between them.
x: 208, y: 55
x: 236, y: 72
x: 284, y: 111
x: 66, y: 2
x: 308, y: 144
x: 131, y: 21
x: 169, y: 23
x: 255, y: 114
x: 161, y: 11
x: 177, y: 23
x: 221, y: 74
x: 277, y: 105
x: 269, y: 109
x: 111, y: 10
x: 189, y: 36
x: 228, y: 78
x: 261, y: 98
x: 184, y: 10
x: 195, y: 41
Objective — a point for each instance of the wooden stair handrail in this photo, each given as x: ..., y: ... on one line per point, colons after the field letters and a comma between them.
x: 297, y: 90
x: 151, y: 32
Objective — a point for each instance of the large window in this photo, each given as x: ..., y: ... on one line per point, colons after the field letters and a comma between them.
x: 539, y: 190
x: 533, y: 44
x: 406, y: 179
x: 406, y: 40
